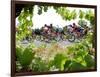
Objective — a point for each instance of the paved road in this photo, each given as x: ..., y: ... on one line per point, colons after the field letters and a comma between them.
x: 39, y: 43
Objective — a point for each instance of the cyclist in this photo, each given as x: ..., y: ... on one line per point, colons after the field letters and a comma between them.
x: 77, y: 30
x: 45, y: 28
x: 85, y: 30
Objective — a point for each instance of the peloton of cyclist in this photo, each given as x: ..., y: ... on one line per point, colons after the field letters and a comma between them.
x: 47, y: 29
x: 78, y: 30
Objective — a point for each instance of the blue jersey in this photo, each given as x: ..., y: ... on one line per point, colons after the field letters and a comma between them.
x: 79, y: 29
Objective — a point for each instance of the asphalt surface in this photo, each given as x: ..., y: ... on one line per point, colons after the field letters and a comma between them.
x: 39, y: 43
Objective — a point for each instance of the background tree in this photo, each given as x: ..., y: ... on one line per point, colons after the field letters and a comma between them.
x: 81, y: 14
x: 66, y: 13
x: 25, y: 23
x: 90, y: 16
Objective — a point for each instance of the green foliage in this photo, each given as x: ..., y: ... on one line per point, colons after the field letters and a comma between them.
x: 82, y: 23
x: 66, y: 13
x: 72, y: 65
x: 24, y: 56
x: 39, y: 65
x: 67, y: 65
x: 81, y: 14
x: 77, y: 58
x: 25, y: 23
x: 90, y: 16
x: 75, y: 66
x: 39, y: 10
x: 69, y: 15
x: 89, y: 61
x: 59, y: 61
x: 81, y: 59
x: 74, y: 14
x: 19, y: 51
x: 42, y: 9
x: 45, y: 8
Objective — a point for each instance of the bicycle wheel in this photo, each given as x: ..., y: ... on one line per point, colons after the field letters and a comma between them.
x: 38, y: 37
x: 71, y: 37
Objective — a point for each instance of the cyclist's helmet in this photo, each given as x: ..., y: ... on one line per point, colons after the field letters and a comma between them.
x: 74, y: 24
